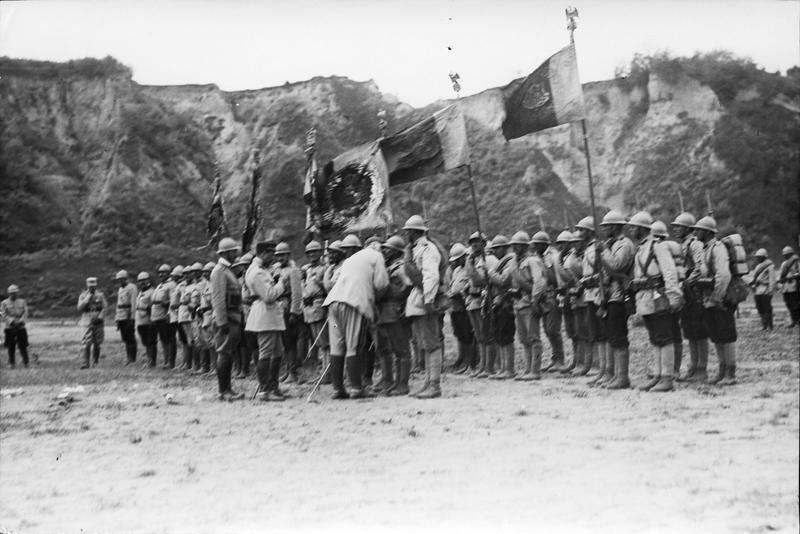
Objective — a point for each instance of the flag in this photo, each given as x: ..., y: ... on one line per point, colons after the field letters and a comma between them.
x: 549, y: 96
x: 309, y: 191
x: 356, y: 186
x: 216, y: 214
x: 253, y: 211
x: 432, y: 146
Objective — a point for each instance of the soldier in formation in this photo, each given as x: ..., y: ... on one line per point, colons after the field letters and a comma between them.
x: 763, y: 284
x: 13, y: 313
x: 790, y: 287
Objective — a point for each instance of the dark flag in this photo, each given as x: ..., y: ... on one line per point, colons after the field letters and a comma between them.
x: 549, y: 96
x: 253, y: 208
x: 216, y: 215
x: 432, y: 146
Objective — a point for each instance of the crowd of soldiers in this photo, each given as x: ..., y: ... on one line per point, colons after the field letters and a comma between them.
x: 352, y: 306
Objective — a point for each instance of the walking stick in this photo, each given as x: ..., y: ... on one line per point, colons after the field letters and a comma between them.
x: 321, y: 330
x: 319, y: 381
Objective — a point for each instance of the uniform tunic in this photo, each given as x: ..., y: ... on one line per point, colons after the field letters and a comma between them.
x: 394, y: 331
x: 662, y: 295
x: 592, y: 324
x: 14, y: 313
x: 693, y: 322
x: 126, y: 302
x: 503, y: 321
x: 459, y: 317
x: 720, y: 320
x: 91, y: 306
x: 476, y: 293
x: 790, y: 271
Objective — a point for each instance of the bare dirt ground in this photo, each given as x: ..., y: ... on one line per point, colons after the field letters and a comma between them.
x: 553, y: 456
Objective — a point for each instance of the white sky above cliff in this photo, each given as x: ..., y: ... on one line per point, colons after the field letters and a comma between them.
x: 401, y: 44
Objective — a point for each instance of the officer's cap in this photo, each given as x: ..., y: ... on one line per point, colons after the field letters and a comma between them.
x: 227, y: 244
x: 122, y: 275
x: 91, y: 281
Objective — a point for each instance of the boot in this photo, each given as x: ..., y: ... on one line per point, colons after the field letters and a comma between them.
x: 536, y: 363
x: 622, y: 362
x: 527, y: 375
x: 601, y: 359
x: 24, y: 353
x: 650, y: 384
x: 85, y: 353
x: 274, y: 373
x: 730, y: 365
x: 426, y: 384
x: 95, y: 354
x: 207, y: 361
x: 434, y: 363
x: 130, y: 353
x: 666, y: 366
x: 403, y: 372
x: 326, y: 361
x: 506, y: 354
x: 573, y: 362
x: 354, y: 372
x: 665, y: 384
x: 386, y: 381
x: 488, y: 370
x: 585, y: 351
x: 678, y: 348
x: 701, y: 373
x: 481, y: 362
x: 459, y: 363
x: 611, y: 365
x: 337, y: 378
x: 722, y: 365
x: 152, y: 353
x: 690, y: 372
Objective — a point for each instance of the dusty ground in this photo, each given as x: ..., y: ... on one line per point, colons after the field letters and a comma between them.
x: 553, y: 456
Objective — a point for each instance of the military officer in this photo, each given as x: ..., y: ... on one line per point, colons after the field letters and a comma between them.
x: 247, y: 343
x: 475, y: 268
x: 763, y: 285
x: 160, y: 313
x: 422, y: 264
x: 658, y: 296
x: 394, y: 330
x: 592, y: 325
x: 124, y: 315
x: 692, y: 315
x: 523, y: 279
x: 226, y: 301
x: 459, y: 319
x: 504, y: 326
x: 719, y: 316
x: 361, y: 278
x: 91, y: 304
x: 144, y: 324
x: 291, y: 302
x: 314, y: 314
x: 788, y: 280
x: 617, y: 262
x: 14, y: 313
x: 266, y: 319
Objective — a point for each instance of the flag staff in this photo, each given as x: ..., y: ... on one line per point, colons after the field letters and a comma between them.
x: 454, y: 79
x: 680, y: 200
x: 572, y: 24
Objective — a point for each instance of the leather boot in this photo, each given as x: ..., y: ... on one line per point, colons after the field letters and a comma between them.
x: 488, y: 370
x: 86, y: 356
x: 151, y: 355
x: 130, y: 353
x: 403, y: 372
x: 566, y: 369
x: 678, y: 348
x: 667, y: 367
x: 506, y: 355
x: 95, y: 354
x: 434, y: 363
x: 527, y: 375
x: 326, y: 360
x: 611, y: 366
x: 354, y: 375
x: 730, y: 365
x: 690, y: 372
x: 274, y: 374
x: 586, y: 355
x: 601, y: 359
x: 337, y: 377
x: 426, y: 384
x: 481, y: 361
x: 536, y: 363
x: 387, y: 380
x: 665, y: 384
x: 647, y: 386
x: 722, y: 365
x: 701, y: 373
x: 622, y: 360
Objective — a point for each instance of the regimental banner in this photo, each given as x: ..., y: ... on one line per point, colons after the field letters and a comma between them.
x: 549, y: 96
x: 432, y: 146
x: 356, y: 185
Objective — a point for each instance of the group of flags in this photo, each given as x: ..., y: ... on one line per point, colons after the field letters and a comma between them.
x: 351, y: 192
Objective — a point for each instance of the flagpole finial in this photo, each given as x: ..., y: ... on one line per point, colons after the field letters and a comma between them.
x: 382, y: 122
x: 454, y: 79
x: 572, y: 22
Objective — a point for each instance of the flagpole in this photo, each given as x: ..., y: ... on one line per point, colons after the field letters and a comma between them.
x: 572, y: 24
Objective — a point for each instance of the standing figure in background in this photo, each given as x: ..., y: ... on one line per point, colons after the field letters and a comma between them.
x: 226, y: 309
x: 144, y: 323
x: 124, y: 315
x: 314, y: 314
x: 291, y: 302
x: 475, y: 268
x: 186, y: 314
x: 175, y: 333
x: 91, y: 304
x: 14, y: 312
x: 546, y: 303
x: 565, y: 280
x: 160, y: 312
x: 201, y: 303
x: 247, y: 343
x: 593, y: 306
x: 790, y: 288
x: 763, y: 285
x: 459, y: 319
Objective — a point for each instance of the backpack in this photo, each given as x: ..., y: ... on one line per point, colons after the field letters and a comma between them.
x: 737, y: 263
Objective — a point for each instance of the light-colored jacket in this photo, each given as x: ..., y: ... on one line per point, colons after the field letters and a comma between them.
x: 476, y: 269
x: 618, y: 262
x: 662, y: 265
x: 457, y: 289
x: 314, y: 287
x: 226, y: 295
x: 764, y: 278
x: 361, y: 277
x: 426, y: 257
x: 144, y: 302
x: 694, y: 261
x: 292, y: 298
x: 789, y: 270
x: 175, y: 300
x: 14, y: 311
x: 162, y: 295
x: 126, y: 302
x: 266, y: 314
x: 589, y: 266
x: 185, y: 303
x: 91, y: 306
x: 716, y: 257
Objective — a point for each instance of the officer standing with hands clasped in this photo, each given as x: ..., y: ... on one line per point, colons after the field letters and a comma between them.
x: 226, y: 300
x: 124, y: 316
x: 14, y: 311
x: 91, y: 304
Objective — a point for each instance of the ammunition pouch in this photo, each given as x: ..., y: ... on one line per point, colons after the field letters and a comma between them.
x: 643, y: 284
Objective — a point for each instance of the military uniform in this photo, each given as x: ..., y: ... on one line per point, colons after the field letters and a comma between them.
x: 144, y: 324
x: 185, y: 322
x: 529, y: 273
x: 680, y: 269
x: 763, y: 287
x: 314, y: 313
x: 478, y: 308
x: 573, y: 264
x: 790, y: 288
x: 593, y: 326
x: 720, y: 318
x: 459, y: 317
x: 14, y: 313
x: 692, y: 314
x: 124, y: 317
x: 551, y: 312
x: 565, y: 282
x: 91, y: 305
x: 201, y: 303
x: 162, y: 295
x: 617, y: 262
x: 291, y: 302
x: 226, y: 311
x: 394, y: 330
x: 178, y: 335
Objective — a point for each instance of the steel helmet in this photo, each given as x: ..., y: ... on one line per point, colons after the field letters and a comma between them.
x: 13, y: 288
x: 164, y: 268
x: 313, y: 246
x: 613, y: 217
x: 91, y: 281
x: 541, y: 237
x: 520, y: 238
x: 587, y: 223
x: 642, y: 219
x: 197, y: 266
x: 499, y: 241
x: 684, y: 219
x: 142, y: 276
x: 564, y: 237
x: 659, y: 229
x: 576, y: 238
x: 416, y: 222
x: 189, y: 268
x: 351, y: 241
x: 335, y: 245
x: 373, y: 239
x: 208, y: 267
x: 761, y: 253
x: 395, y: 243
x: 122, y: 275
x: 457, y: 251
x: 787, y: 250
x: 282, y: 248
x: 706, y: 223
x: 177, y: 271
x: 476, y: 237
x: 227, y: 244
x: 244, y: 259
x: 489, y: 245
